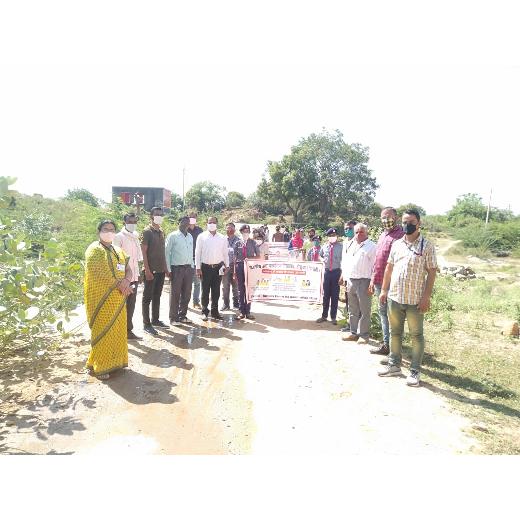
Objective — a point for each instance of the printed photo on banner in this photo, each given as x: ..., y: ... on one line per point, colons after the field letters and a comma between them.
x: 284, y: 281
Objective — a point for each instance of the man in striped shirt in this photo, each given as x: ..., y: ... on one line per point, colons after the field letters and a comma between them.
x: 407, y: 287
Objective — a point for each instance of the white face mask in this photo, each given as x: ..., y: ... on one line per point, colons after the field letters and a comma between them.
x: 259, y: 242
x: 212, y: 227
x: 245, y: 236
x: 333, y: 239
x: 193, y: 221
x: 130, y: 227
x: 107, y: 236
x: 158, y: 220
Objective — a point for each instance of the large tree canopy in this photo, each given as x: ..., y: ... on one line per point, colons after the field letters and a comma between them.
x: 206, y: 196
x: 322, y: 176
x: 235, y: 199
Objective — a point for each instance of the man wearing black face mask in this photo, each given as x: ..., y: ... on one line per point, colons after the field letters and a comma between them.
x: 407, y: 287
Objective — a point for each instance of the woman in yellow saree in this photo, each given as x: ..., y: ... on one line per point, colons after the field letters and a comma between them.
x: 107, y: 284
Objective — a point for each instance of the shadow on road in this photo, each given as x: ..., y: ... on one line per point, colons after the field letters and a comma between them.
x: 137, y: 388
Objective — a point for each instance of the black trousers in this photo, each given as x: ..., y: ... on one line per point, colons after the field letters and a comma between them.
x: 331, y: 293
x: 130, y: 306
x: 152, y: 293
x: 210, y: 281
x: 181, y: 279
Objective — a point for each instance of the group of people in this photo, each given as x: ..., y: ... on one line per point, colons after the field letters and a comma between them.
x: 400, y: 270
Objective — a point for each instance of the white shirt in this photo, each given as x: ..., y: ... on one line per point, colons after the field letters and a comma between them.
x: 358, y: 259
x: 211, y: 249
x: 129, y: 243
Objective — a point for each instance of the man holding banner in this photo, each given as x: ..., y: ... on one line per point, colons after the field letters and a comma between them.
x: 331, y: 254
x: 244, y: 247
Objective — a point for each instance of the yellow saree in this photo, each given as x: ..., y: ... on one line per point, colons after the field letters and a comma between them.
x: 106, y: 309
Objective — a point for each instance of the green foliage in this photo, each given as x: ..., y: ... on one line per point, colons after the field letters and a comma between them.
x: 497, y: 236
x: 322, y: 176
x: 177, y: 203
x: 470, y: 208
x: 39, y: 285
x: 234, y: 199
x: 84, y: 195
x: 206, y: 197
x: 401, y: 209
x: 436, y: 223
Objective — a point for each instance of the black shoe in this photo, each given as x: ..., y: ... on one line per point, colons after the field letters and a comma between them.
x: 150, y: 330
x: 217, y: 316
x: 159, y: 323
x: 185, y: 321
x: 225, y: 308
x: 334, y: 322
x: 131, y: 335
x: 321, y: 320
x: 250, y: 317
x: 383, y: 350
x: 236, y: 305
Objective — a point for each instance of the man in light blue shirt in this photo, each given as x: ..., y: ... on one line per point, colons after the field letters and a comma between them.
x: 179, y: 257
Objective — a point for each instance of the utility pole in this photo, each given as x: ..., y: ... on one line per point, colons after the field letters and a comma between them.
x: 183, y: 203
x: 489, y: 206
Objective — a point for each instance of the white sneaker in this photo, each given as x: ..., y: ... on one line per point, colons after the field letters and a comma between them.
x: 389, y: 370
x: 362, y: 341
x: 414, y: 378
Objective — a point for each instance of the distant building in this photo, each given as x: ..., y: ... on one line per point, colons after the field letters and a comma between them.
x: 146, y: 197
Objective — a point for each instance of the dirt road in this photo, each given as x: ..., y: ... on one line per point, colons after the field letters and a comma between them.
x: 280, y: 385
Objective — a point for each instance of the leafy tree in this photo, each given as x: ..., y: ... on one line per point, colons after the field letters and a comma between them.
x: 177, y: 203
x: 468, y: 205
x: 84, y: 195
x: 322, y: 176
x: 234, y: 199
x: 206, y: 197
x: 401, y: 209
x: 266, y: 200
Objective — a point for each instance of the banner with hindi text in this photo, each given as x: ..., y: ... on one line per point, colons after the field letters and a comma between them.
x: 284, y: 280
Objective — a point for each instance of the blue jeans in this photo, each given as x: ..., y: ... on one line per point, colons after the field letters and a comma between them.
x: 383, y: 316
x: 397, y: 313
x: 196, y: 287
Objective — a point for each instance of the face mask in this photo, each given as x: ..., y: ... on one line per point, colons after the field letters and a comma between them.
x: 245, y: 236
x: 107, y: 236
x: 212, y: 227
x: 388, y: 223
x: 409, y: 229
x: 349, y: 233
x: 316, y: 243
x: 130, y: 227
x: 333, y: 239
x: 259, y: 242
x: 158, y: 220
x: 193, y: 221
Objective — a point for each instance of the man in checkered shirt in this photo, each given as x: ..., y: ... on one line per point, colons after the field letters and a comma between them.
x: 407, y: 287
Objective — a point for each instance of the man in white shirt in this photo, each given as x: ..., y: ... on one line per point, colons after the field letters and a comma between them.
x: 357, y: 264
x: 128, y: 240
x: 211, y: 261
